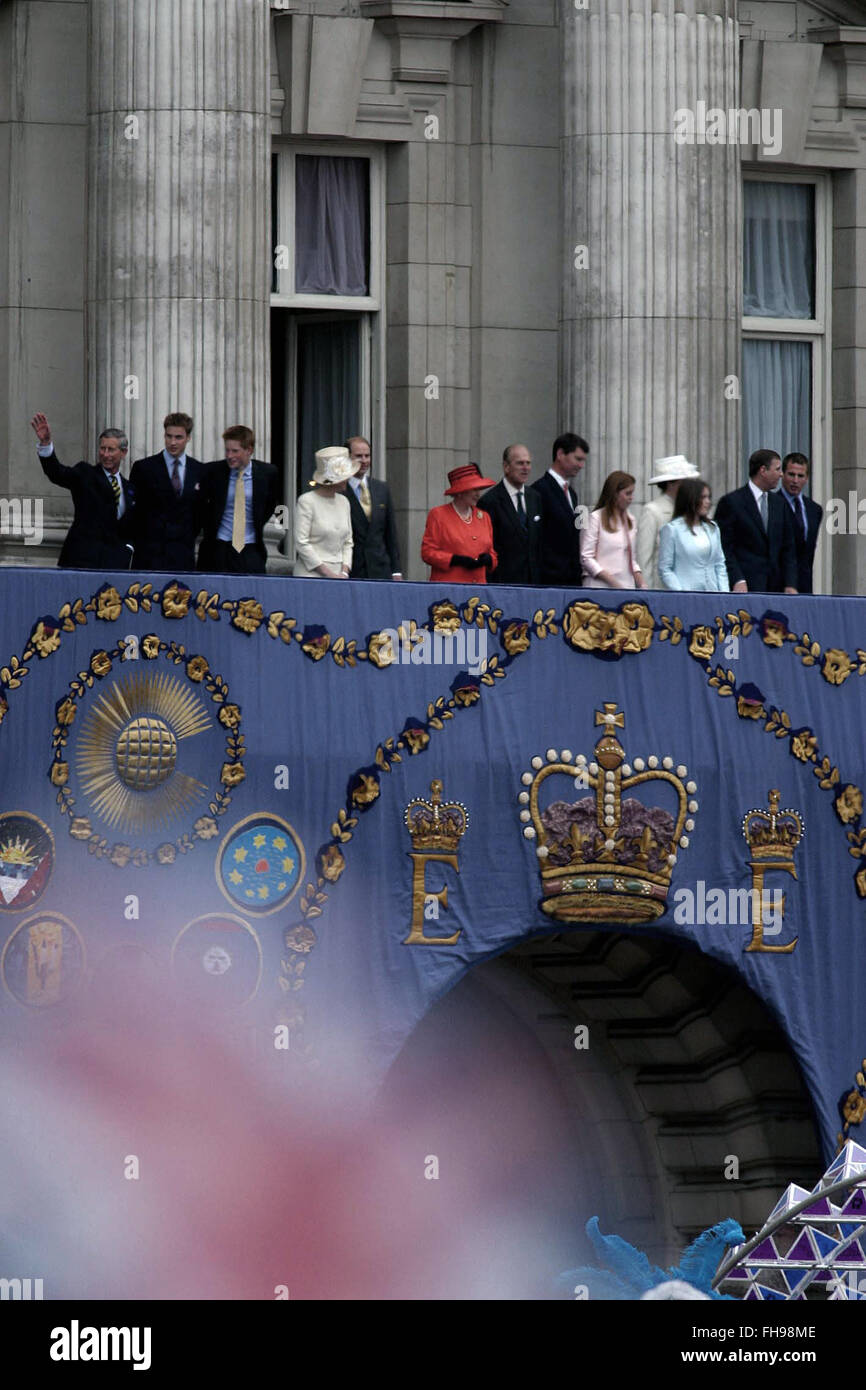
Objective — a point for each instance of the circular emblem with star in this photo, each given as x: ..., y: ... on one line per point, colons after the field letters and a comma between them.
x: 260, y: 864
x: 217, y: 960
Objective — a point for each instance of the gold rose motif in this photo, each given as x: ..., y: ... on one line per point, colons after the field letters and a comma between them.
x: 634, y: 628
x: 467, y: 695
x: 416, y: 740
x: 67, y: 711
x: 702, y: 643
x: 150, y: 646
x: 120, y: 855
x: 837, y: 666
x: 317, y: 647
x: 301, y: 938
x: 332, y: 863
x: 100, y: 663
x: 196, y: 668
x: 849, y: 804
x: 80, y: 828
x: 803, y: 746
x: 166, y: 854
x: 4, y: 705
x: 249, y: 615
x: 109, y: 605
x: 232, y: 774
x: 515, y: 638
x: 773, y: 633
x: 366, y: 793
x: 60, y: 774
x: 230, y: 716
x: 594, y: 629
x: 860, y: 881
x: 206, y: 827
x: 445, y: 617
x: 854, y: 1108
x: 749, y: 709
x: 175, y: 601
x: 380, y: 650
x: 45, y: 640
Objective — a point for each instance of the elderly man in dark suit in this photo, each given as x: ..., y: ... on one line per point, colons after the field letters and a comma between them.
x: 100, y: 535
x: 375, y: 547
x: 807, y: 516
x: 561, y: 513
x: 167, y: 501
x: 516, y: 516
x: 239, y: 494
x: 758, y: 531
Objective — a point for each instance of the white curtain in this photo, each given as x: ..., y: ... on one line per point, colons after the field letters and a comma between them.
x: 778, y: 249
x: 331, y: 225
x: 777, y: 397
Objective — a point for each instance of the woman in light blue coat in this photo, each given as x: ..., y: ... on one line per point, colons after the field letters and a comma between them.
x: 690, y: 546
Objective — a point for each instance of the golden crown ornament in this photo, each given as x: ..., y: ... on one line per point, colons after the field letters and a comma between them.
x: 607, y: 857
x: 435, y: 826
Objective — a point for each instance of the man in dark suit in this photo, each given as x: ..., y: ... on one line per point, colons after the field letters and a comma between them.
x: 167, y: 496
x: 375, y: 548
x: 758, y: 531
x: 239, y: 494
x: 559, y: 546
x: 100, y: 535
x: 516, y: 517
x: 807, y: 516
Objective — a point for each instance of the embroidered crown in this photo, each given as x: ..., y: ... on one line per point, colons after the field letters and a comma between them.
x: 607, y: 857
x: 773, y: 834
x: 434, y: 826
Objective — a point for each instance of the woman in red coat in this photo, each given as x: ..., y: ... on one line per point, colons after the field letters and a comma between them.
x: 458, y: 538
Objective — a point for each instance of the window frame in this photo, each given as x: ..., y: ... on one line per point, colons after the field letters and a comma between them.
x: 285, y: 298
x: 816, y: 332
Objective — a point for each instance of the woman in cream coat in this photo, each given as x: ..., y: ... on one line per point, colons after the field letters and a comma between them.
x: 690, y: 546
x: 323, y: 521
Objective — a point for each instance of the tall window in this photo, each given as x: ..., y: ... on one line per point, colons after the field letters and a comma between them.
x: 326, y: 301
x: 785, y: 302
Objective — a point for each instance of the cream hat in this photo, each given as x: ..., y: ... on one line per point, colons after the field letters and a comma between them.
x: 673, y: 469
x: 333, y: 465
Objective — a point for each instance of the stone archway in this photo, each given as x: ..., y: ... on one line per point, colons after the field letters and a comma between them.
x: 685, y: 1070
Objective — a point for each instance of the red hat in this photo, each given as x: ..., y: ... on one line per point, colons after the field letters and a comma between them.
x: 465, y: 478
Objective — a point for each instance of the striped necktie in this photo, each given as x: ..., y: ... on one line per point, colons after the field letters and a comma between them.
x: 115, y: 488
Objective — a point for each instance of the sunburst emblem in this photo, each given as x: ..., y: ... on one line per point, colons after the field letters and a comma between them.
x: 128, y: 749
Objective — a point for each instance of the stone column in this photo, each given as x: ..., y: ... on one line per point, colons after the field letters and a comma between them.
x: 651, y: 313
x: 179, y: 269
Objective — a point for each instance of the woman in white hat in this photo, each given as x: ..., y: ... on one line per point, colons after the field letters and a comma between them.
x: 323, y: 521
x: 667, y: 475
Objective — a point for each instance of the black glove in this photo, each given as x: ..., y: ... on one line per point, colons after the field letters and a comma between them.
x: 486, y: 560
x: 465, y: 561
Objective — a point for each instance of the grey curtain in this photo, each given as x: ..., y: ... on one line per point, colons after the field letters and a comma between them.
x: 329, y: 359
x: 777, y: 397
x: 779, y: 249
x: 332, y: 203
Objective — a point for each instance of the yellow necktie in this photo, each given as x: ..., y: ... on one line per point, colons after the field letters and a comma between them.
x: 115, y: 488
x: 365, y: 499
x: 239, y: 516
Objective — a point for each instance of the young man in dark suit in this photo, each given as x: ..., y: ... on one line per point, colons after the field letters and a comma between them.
x: 375, y: 547
x: 167, y: 498
x: 239, y: 495
x: 100, y: 535
x: 807, y: 516
x: 559, y: 546
x: 758, y: 531
x: 513, y: 509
